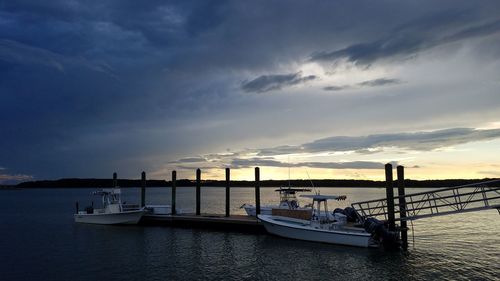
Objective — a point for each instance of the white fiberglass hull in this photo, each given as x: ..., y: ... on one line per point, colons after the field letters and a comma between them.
x: 264, y: 210
x: 129, y: 217
x: 268, y: 210
x: 302, y: 230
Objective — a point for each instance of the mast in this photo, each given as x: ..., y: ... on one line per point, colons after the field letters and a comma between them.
x: 289, y: 171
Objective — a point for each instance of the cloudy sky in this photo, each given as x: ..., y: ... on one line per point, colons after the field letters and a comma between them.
x: 327, y: 89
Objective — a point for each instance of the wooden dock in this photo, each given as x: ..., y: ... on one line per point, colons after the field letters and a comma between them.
x: 411, y: 206
x: 238, y: 223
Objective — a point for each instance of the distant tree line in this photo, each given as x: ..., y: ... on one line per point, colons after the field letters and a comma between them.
x: 100, y: 183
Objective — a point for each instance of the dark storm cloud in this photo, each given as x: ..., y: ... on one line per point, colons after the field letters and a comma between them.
x: 191, y: 160
x: 88, y: 86
x: 336, y: 88
x: 254, y: 162
x: 411, y: 38
x: 192, y: 168
x: 13, y: 52
x: 421, y: 141
x: 379, y: 82
x: 368, y: 83
x: 80, y: 80
x: 266, y: 83
x: 486, y: 29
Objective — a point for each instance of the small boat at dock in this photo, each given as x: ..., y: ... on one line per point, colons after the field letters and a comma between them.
x: 333, y: 229
x: 288, y: 201
x: 113, y: 211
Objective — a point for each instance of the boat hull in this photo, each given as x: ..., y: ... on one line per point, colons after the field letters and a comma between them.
x: 301, y: 230
x: 130, y: 217
x: 252, y: 210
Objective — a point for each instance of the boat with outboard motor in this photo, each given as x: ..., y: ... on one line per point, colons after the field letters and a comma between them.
x: 113, y: 211
x: 326, y: 228
x: 288, y: 201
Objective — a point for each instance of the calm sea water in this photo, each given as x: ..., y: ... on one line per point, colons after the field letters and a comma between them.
x: 40, y: 241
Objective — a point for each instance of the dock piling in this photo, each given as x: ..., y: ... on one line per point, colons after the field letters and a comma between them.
x: 143, y: 189
x: 228, y: 194
x: 115, y: 180
x: 257, y: 191
x: 198, y: 187
x: 402, y: 206
x: 390, y: 197
x: 174, y: 187
x: 77, y: 207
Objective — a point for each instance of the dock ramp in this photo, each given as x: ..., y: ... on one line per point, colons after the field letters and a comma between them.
x: 439, y: 202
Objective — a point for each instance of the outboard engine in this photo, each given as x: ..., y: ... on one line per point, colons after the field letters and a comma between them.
x: 352, y: 215
x: 372, y: 225
x: 339, y: 210
x: 390, y: 239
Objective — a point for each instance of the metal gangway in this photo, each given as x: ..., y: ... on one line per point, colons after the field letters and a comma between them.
x: 444, y: 201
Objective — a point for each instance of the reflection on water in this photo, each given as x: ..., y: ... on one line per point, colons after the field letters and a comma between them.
x: 40, y: 242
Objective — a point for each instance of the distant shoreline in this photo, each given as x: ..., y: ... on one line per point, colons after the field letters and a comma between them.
x: 100, y: 183
x: 9, y: 187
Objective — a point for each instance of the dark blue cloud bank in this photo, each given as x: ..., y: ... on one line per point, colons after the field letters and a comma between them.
x: 90, y: 87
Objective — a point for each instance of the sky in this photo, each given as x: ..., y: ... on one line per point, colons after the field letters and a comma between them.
x: 314, y: 89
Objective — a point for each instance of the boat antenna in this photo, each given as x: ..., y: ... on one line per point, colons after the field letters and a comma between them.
x: 289, y: 186
x: 316, y: 191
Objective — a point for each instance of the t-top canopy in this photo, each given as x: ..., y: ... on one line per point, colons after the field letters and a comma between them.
x: 292, y: 190
x: 107, y: 191
x: 317, y: 197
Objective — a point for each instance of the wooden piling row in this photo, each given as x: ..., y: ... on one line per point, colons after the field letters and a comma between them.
x: 390, y: 197
x: 198, y: 187
x: 402, y: 207
x: 174, y: 187
x: 257, y: 191
x: 228, y: 194
x: 198, y: 191
x: 389, y: 194
x: 143, y: 189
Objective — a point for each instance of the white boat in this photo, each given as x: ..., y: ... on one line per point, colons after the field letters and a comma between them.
x: 288, y: 201
x: 112, y: 211
x: 319, y: 228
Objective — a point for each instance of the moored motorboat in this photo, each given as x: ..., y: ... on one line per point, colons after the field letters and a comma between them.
x: 320, y: 228
x: 288, y: 201
x: 113, y: 211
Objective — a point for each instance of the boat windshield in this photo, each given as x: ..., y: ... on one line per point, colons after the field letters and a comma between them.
x: 319, y: 200
x: 109, y: 196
